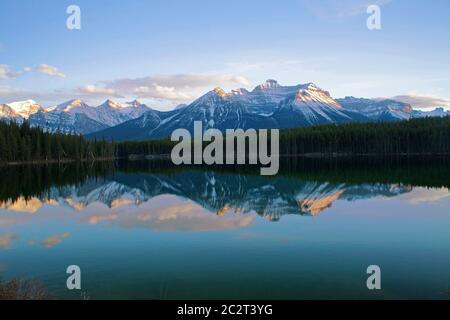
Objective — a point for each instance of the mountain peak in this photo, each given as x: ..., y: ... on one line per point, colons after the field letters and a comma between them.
x: 135, y: 103
x: 239, y: 92
x: 269, y: 84
x: 71, y: 104
x: 310, y: 94
x: 25, y: 108
x: 112, y: 104
x: 220, y: 92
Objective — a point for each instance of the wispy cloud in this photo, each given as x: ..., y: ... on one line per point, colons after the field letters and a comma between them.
x: 179, y: 87
x: 50, y: 70
x: 6, y: 73
x: 96, y: 91
x: 11, y: 94
x: 423, y: 101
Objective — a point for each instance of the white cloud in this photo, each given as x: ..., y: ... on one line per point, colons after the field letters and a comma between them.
x: 10, y: 94
x: 95, y: 91
x: 6, y: 73
x: 179, y: 87
x: 423, y: 101
x: 50, y: 70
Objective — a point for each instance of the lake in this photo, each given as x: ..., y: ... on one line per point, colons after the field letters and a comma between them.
x: 149, y: 230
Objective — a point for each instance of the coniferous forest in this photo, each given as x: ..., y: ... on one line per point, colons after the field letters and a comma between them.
x: 22, y: 143
x: 415, y: 136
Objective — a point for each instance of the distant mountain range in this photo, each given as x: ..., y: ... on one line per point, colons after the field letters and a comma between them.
x: 269, y: 105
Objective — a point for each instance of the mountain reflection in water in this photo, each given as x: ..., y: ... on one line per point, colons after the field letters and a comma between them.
x: 159, y: 191
x: 150, y: 230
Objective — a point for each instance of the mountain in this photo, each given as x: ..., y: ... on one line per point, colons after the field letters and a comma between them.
x: 113, y: 113
x: 310, y: 105
x: 73, y: 116
x: 25, y: 108
x: 136, y: 129
x: 66, y: 122
x: 6, y: 112
x: 438, y: 112
x: 378, y: 109
x: 268, y: 105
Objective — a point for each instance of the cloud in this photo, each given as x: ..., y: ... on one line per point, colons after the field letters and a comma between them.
x: 422, y: 101
x: 10, y: 94
x: 7, y: 239
x: 179, y: 87
x: 95, y: 91
x: 50, y: 70
x: 6, y: 73
x: 54, y: 240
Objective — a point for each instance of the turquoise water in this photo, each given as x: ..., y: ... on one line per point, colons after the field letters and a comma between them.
x: 140, y: 231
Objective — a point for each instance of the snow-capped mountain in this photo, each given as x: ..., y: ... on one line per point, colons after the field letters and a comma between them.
x: 438, y: 112
x: 378, y: 109
x: 6, y: 112
x: 25, y: 108
x: 311, y: 105
x: 73, y: 116
x: 268, y: 105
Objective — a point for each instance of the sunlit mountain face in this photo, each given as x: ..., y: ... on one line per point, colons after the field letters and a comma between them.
x: 150, y: 230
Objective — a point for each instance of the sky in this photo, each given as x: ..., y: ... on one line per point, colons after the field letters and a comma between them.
x: 169, y: 52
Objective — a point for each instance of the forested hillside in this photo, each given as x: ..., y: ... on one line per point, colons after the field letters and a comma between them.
x: 415, y: 136
x: 22, y: 143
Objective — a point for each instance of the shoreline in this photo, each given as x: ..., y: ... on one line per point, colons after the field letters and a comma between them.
x: 136, y: 157
x: 41, y: 162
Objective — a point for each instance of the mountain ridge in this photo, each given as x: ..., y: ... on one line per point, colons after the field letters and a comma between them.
x: 269, y: 105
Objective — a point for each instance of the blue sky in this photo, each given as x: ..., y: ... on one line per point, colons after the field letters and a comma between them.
x: 168, y: 52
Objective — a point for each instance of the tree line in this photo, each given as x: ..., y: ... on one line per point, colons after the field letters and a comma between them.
x: 23, y: 143
x: 415, y: 136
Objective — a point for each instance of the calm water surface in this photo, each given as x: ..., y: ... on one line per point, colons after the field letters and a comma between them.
x: 145, y: 230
